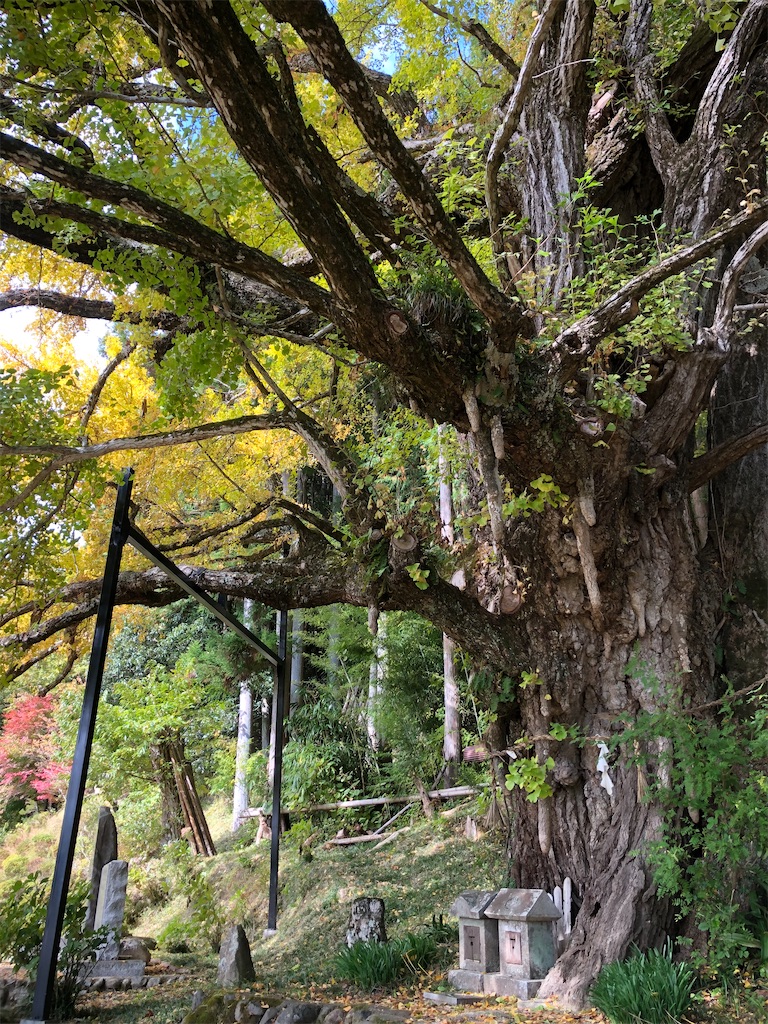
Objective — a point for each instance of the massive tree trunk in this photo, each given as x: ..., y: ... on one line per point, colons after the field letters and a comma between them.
x: 649, y: 649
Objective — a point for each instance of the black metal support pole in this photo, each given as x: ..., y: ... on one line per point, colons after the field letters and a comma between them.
x: 49, y: 953
x: 277, y: 787
x: 145, y: 547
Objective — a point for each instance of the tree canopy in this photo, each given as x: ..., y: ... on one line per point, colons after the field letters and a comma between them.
x: 354, y: 238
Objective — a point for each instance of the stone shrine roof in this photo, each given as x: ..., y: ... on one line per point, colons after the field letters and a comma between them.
x: 522, y: 905
x: 471, y: 904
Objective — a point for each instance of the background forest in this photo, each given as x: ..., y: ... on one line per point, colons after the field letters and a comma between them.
x: 441, y: 327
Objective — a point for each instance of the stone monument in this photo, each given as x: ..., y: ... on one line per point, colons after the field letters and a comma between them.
x: 104, y: 851
x: 110, y: 910
x: 110, y: 907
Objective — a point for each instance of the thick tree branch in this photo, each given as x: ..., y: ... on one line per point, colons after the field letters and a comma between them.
x: 280, y: 583
x: 126, y: 92
x: 14, y: 211
x: 623, y: 305
x: 87, y: 309
x: 661, y: 140
x: 314, y: 579
x: 102, y: 309
x: 312, y: 518
x: 66, y: 455
x: 244, y: 292
x: 748, y: 35
x: 144, y: 95
x: 18, y: 670
x: 324, y: 41
x: 700, y: 177
x: 401, y: 101
x: 376, y: 223
x: 33, y: 120
x: 637, y: 34
x: 616, y: 154
x: 177, y: 230
x: 723, y: 327
x: 272, y: 140
x: 707, y: 466
x: 279, y: 148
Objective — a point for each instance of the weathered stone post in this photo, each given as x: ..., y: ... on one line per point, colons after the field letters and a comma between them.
x: 366, y: 921
x: 104, y: 851
x: 110, y: 908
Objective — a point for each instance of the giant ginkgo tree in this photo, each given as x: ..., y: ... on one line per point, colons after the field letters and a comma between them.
x: 540, y: 226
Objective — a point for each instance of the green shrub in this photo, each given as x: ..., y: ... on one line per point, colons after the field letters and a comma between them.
x: 205, y: 923
x: 419, y: 951
x: 713, y: 860
x: 14, y: 865
x: 648, y: 988
x: 371, y: 965
x: 23, y: 908
x: 175, y: 937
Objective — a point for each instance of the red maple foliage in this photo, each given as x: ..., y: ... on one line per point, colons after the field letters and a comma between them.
x: 29, y: 769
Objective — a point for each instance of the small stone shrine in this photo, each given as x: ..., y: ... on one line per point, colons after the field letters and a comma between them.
x: 524, y: 947
x: 478, y: 940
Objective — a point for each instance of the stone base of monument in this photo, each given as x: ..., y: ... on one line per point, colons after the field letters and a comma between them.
x: 503, y: 985
x: 453, y: 999
x: 117, y: 969
x: 466, y: 981
x: 494, y: 984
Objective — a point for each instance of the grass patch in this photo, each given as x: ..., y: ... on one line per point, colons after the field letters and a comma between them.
x: 373, y: 965
x: 648, y: 988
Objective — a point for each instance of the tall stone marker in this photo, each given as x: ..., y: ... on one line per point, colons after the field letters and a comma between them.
x: 111, y: 906
x: 105, y: 850
x: 235, y: 963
